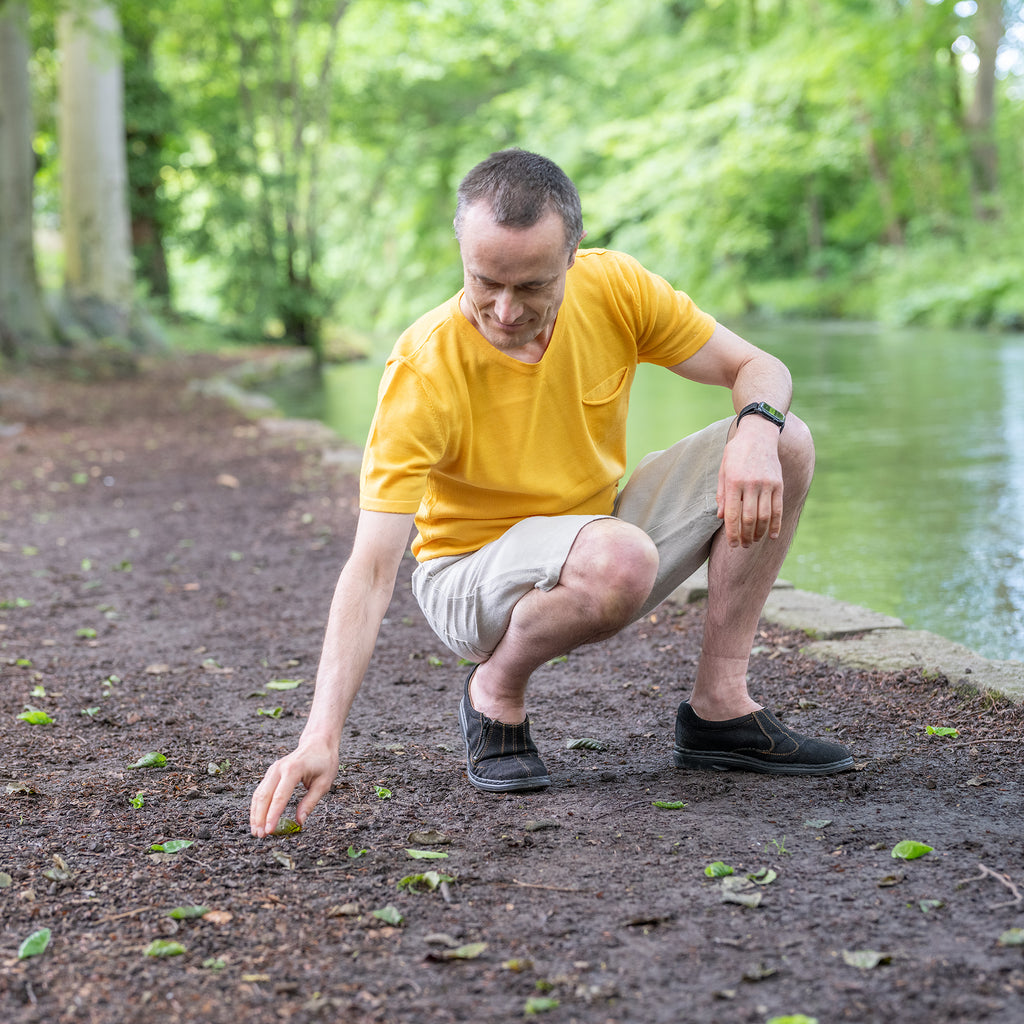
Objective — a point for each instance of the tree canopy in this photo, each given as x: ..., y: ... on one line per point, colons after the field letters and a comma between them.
x: 293, y: 162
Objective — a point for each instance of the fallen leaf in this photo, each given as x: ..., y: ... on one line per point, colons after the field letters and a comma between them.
x: 187, y: 913
x: 389, y: 915
x: 717, y: 869
x: 584, y: 743
x: 910, y: 849
x: 470, y: 951
x: 218, y: 916
x: 157, y: 670
x: 428, y: 837
x: 865, y: 959
x: 283, y: 859
x: 151, y: 760
x: 227, y: 480
x: 164, y: 947
x: 35, y: 944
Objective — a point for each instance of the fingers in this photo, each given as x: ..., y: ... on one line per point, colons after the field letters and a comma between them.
x: 749, y: 513
x: 315, y: 768
x: 268, y: 802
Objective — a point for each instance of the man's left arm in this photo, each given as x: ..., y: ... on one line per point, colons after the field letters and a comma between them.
x: 750, y: 477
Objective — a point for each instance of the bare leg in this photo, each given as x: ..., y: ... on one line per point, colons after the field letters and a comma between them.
x: 739, y: 581
x: 606, y: 578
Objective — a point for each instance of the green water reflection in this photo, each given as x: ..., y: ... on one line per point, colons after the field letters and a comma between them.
x: 917, y: 508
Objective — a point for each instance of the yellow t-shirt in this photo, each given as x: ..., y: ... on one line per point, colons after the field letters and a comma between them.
x: 473, y: 440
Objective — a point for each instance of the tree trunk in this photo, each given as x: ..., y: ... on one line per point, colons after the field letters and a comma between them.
x: 23, y: 321
x: 98, y: 275
x: 987, y: 31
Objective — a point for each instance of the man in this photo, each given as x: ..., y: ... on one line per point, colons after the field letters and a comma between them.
x: 500, y: 430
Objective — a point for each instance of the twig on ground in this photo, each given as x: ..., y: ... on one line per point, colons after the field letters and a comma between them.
x: 1018, y: 896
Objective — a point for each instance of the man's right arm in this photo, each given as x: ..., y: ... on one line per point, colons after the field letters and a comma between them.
x: 360, y: 602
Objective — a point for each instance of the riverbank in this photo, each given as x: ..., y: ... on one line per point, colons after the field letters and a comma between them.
x: 839, y: 632
x: 167, y: 566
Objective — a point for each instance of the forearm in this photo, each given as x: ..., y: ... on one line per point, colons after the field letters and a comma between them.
x: 762, y: 378
x: 357, y: 610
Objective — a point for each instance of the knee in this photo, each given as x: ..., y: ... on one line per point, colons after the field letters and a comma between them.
x: 617, y: 566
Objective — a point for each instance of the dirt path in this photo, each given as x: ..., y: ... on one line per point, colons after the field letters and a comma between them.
x: 164, y: 561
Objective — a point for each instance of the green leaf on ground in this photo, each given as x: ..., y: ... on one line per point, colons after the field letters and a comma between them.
x: 153, y: 759
x: 355, y: 854
x: 669, y: 805
x: 941, y: 730
x: 1012, y: 937
x: 539, y: 1004
x: 584, y: 743
x: 910, y: 849
x: 187, y: 913
x: 172, y: 845
x: 470, y: 951
x: 284, y: 684
x: 426, y: 882
x: 35, y: 944
x: 86, y: 633
x: 383, y: 793
x: 865, y: 959
x: 928, y: 905
x: 716, y: 869
x: 763, y: 876
x: 164, y: 947
x: 427, y: 854
x: 390, y: 915
x: 138, y: 801
x: 286, y: 827
x: 270, y: 712
x: 793, y: 1018
x: 818, y: 823
x: 35, y: 717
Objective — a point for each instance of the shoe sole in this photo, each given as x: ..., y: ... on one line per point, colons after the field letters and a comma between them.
x: 724, y: 761
x: 493, y: 785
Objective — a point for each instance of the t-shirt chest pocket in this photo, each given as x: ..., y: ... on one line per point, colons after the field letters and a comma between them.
x: 604, y: 408
x: 608, y: 390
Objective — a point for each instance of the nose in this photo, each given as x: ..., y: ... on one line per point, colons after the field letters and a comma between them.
x: 507, y: 308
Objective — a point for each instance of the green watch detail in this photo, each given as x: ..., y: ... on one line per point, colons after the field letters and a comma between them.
x: 765, y: 410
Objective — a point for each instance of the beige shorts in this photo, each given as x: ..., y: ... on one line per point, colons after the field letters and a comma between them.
x: 468, y: 599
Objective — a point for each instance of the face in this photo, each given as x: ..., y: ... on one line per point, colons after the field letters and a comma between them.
x: 514, y: 280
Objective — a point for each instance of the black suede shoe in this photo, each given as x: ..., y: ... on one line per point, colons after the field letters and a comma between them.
x: 758, y: 742
x: 499, y: 758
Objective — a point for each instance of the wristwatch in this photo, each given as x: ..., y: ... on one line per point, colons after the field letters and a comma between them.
x: 765, y: 410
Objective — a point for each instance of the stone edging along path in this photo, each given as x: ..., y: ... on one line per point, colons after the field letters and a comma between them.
x: 839, y: 632
x: 860, y: 638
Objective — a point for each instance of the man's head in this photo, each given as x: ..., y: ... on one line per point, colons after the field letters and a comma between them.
x: 519, y: 188
x: 518, y: 223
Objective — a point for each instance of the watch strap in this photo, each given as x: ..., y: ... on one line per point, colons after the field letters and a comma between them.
x: 763, y: 409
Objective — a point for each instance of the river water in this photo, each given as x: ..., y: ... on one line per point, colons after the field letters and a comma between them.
x: 917, y: 508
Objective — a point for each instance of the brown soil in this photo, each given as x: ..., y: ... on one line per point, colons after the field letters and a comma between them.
x: 178, y: 558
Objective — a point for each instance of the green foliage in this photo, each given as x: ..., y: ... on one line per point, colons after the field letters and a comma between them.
x: 815, y: 157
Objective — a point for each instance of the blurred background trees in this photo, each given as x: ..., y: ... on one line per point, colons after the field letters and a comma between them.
x: 287, y: 167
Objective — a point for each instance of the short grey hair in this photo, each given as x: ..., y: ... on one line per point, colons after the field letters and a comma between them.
x: 520, y: 188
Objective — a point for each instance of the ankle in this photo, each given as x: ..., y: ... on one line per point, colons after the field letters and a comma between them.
x: 498, y: 708
x: 712, y: 708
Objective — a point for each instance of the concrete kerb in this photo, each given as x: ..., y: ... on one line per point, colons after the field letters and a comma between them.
x: 847, y: 634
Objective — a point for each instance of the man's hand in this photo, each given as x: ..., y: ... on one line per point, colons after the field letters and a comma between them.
x: 750, y: 483
x: 314, y: 763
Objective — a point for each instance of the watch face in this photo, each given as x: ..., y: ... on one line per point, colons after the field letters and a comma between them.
x: 772, y: 413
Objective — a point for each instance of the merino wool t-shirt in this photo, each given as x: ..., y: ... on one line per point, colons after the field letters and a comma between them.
x: 473, y: 440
